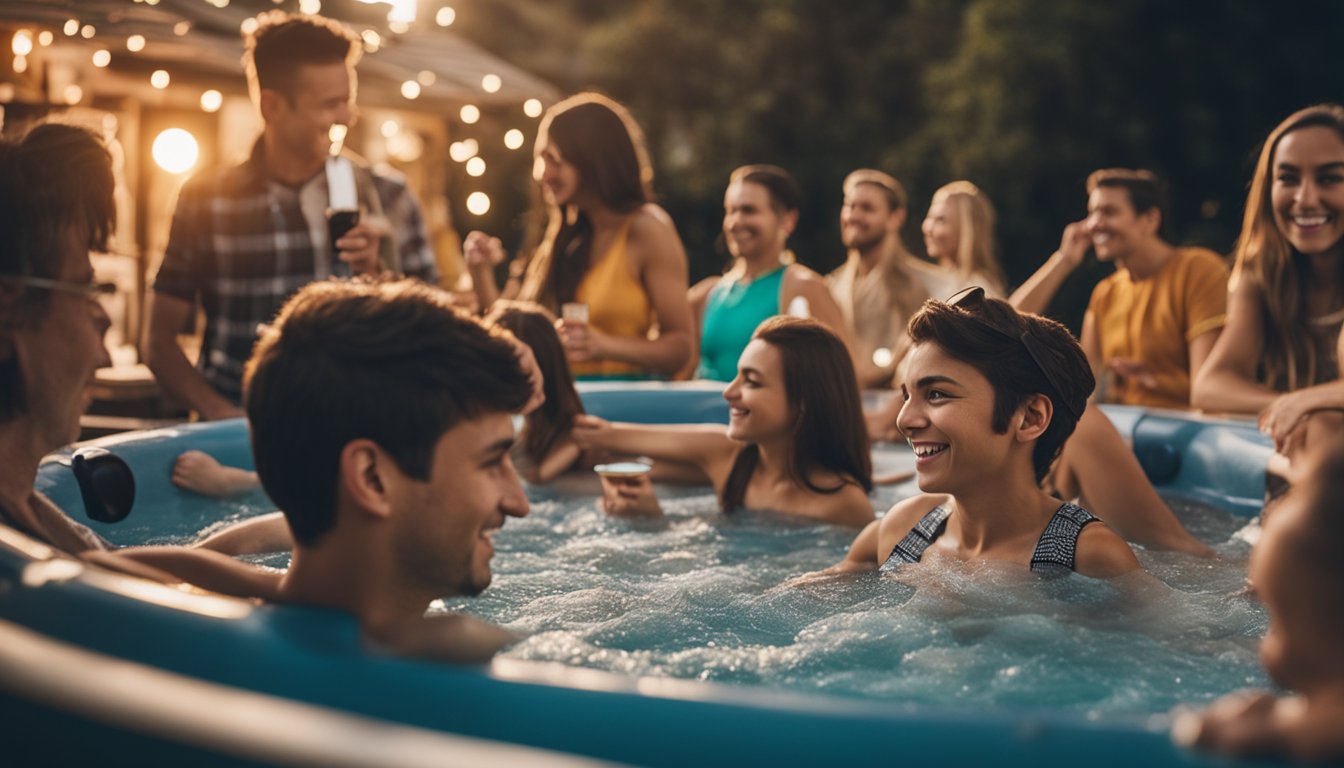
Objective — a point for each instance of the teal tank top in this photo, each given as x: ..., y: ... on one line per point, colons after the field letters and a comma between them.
x: 732, y: 312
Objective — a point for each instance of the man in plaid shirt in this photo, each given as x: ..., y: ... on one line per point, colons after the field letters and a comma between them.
x: 244, y: 239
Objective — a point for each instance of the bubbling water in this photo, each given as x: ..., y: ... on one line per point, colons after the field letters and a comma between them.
x: 698, y: 596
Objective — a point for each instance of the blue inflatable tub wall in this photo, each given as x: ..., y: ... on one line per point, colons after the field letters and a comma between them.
x: 99, y: 666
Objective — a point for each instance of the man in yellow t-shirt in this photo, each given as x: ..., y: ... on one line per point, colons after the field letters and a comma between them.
x: 1150, y: 325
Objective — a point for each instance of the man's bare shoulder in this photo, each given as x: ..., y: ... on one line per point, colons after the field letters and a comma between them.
x: 452, y: 637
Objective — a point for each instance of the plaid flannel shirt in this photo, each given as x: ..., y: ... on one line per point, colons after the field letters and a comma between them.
x: 241, y: 245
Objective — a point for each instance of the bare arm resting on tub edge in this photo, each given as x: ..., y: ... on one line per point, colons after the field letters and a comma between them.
x: 702, y: 445
x: 208, y: 570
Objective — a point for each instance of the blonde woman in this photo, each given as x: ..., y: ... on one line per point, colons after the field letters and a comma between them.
x: 959, y: 236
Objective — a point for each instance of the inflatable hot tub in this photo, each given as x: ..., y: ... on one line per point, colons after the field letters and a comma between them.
x: 97, y: 666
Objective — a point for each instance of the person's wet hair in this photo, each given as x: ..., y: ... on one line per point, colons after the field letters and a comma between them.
x: 393, y: 362
x: 823, y: 396
x: 54, y: 181
x: 554, y: 419
x: 1045, y: 359
x: 282, y: 42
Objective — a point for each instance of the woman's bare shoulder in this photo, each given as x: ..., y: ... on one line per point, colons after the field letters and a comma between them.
x: 651, y: 220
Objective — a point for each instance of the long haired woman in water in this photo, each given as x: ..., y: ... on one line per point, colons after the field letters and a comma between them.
x: 794, y: 443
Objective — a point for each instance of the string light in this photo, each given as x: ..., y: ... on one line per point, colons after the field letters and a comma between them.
x: 135, y: 43
x: 462, y: 151
x: 402, y: 12
x: 491, y: 83
x: 478, y: 203
x: 71, y: 27
x: 20, y: 65
x: 102, y: 57
x: 73, y: 94
x: 372, y: 40
x: 159, y: 79
x: 45, y: 38
x: 249, y: 25
x: 390, y: 128
x: 470, y: 113
x: 312, y: 7
x: 410, y: 89
x: 87, y: 31
x: 513, y: 139
x: 181, y: 28
x: 212, y: 100
x: 426, y: 78
x: 532, y: 108
x: 175, y: 150
x: 22, y: 44
x: 445, y: 17
x: 476, y: 167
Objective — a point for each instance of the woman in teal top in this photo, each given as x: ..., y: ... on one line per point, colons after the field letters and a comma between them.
x: 760, y: 211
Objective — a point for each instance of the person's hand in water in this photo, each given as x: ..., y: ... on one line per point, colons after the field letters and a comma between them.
x: 629, y: 497
x: 1242, y: 723
x: 203, y: 474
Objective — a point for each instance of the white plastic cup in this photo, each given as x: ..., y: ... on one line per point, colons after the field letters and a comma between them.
x: 574, y: 312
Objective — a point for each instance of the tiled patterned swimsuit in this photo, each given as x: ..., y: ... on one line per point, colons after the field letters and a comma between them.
x: 1054, y: 551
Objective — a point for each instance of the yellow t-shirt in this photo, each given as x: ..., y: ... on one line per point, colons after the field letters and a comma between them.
x: 1154, y: 320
